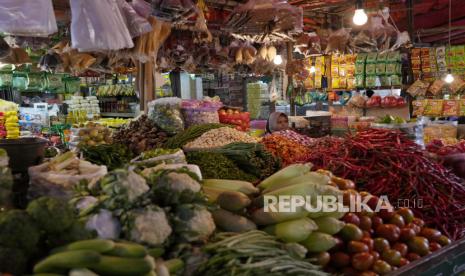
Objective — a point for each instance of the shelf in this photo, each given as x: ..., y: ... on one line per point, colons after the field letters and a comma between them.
x: 118, y: 115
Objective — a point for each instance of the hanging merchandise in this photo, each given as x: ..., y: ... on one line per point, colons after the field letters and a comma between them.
x: 20, y: 81
x: 72, y: 85
x: 28, y: 18
x: 98, y: 25
x: 136, y: 24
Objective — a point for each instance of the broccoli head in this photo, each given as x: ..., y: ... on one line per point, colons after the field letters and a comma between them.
x: 18, y: 230
x: 12, y: 260
x: 51, y: 214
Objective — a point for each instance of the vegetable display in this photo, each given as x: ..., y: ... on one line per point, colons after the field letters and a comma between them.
x: 113, y: 156
x: 216, y: 165
x: 251, y: 158
x: 253, y: 253
x: 91, y: 135
x: 289, y: 151
x: 219, y: 137
x: 295, y: 137
x: 188, y: 135
x: 387, y: 163
x: 438, y: 147
x: 140, y: 135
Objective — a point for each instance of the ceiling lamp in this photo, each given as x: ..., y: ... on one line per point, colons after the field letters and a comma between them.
x: 449, y: 78
x: 312, y: 69
x: 360, y: 17
x: 278, y: 60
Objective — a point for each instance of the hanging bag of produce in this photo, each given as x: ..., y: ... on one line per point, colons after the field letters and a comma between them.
x: 201, y: 112
x: 166, y: 114
x: 28, y: 18
x: 98, y: 25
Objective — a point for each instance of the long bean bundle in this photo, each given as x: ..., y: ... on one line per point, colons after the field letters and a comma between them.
x: 253, y: 253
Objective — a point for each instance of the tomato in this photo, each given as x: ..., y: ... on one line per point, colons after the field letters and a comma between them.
x: 340, y: 259
x: 388, y: 231
x: 392, y: 257
x: 343, y: 184
x: 362, y: 261
x: 357, y: 247
x: 376, y: 221
x: 413, y: 256
x: 322, y: 259
x: 339, y: 245
x: 381, y: 245
x: 406, y: 234
x: 351, y: 232
x: 403, y: 261
x: 419, y: 245
x: 401, y: 247
x: 434, y: 246
x: 397, y: 220
x: 373, y: 201
x: 376, y: 255
x: 418, y: 222
x: 382, y: 267
x: 385, y: 214
x: 430, y: 233
x: 351, y: 218
x: 369, y: 242
x: 415, y: 228
x: 407, y: 214
x: 365, y: 223
x: 443, y: 240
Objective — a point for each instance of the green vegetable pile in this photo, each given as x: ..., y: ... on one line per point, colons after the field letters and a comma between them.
x: 113, y: 156
x: 189, y: 134
x: 253, y: 253
x: 252, y: 158
x: 217, y: 166
x: 6, y: 181
x: 45, y: 224
x: 105, y: 257
x: 157, y: 152
x: 388, y: 119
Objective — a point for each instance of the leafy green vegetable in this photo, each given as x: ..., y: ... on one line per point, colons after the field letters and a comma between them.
x: 217, y: 166
x: 113, y: 156
x: 18, y: 230
x: 189, y: 134
x: 51, y: 214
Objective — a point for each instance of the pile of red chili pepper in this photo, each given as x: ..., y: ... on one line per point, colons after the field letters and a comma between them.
x: 289, y: 151
x: 385, y: 162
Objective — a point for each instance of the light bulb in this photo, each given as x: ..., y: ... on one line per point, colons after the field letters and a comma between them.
x: 449, y: 78
x: 360, y: 17
x: 312, y: 69
x: 278, y: 60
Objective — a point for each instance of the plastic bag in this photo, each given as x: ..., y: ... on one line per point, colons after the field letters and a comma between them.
x: 166, y: 114
x: 27, y: 18
x: 137, y: 25
x: 200, y: 112
x: 357, y: 100
x: 175, y: 158
x: 98, y: 25
x: 47, y: 183
x: 142, y: 8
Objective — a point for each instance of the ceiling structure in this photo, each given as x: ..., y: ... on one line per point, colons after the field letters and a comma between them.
x: 430, y: 17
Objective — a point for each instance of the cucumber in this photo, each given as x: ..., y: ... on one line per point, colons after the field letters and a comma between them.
x: 119, y: 266
x: 128, y: 250
x: 96, y: 245
x: 67, y: 260
x: 156, y: 252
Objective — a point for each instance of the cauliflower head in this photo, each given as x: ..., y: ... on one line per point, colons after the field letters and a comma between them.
x: 105, y: 224
x: 148, y: 225
x: 193, y: 222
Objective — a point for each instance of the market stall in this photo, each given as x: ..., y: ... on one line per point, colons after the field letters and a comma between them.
x: 230, y: 138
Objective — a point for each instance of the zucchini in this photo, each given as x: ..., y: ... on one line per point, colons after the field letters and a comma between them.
x: 67, y: 260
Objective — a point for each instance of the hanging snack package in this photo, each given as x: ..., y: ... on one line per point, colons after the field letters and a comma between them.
x: 396, y: 80
x: 55, y: 83
x: 360, y: 68
x: 450, y: 108
x: 36, y: 81
x: 20, y: 81
x: 385, y: 80
x: 361, y: 58
x: 433, y: 108
x: 6, y: 78
x: 457, y: 85
x: 371, y: 81
x: 418, y: 88
x: 462, y: 107
x: 166, y: 114
x: 371, y: 57
x: 370, y: 69
x: 380, y: 68
x: 436, y: 87
x: 391, y: 68
x: 72, y: 85
x: 419, y: 107
x: 360, y: 81
x: 393, y: 57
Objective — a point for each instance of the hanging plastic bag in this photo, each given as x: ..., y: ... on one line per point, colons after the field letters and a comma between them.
x: 142, y: 8
x: 27, y: 18
x: 98, y: 25
x: 137, y: 25
x: 166, y: 113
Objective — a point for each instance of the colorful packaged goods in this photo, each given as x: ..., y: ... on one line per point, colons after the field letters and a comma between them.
x: 450, y: 108
x: 433, y: 108
x: 11, y: 124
